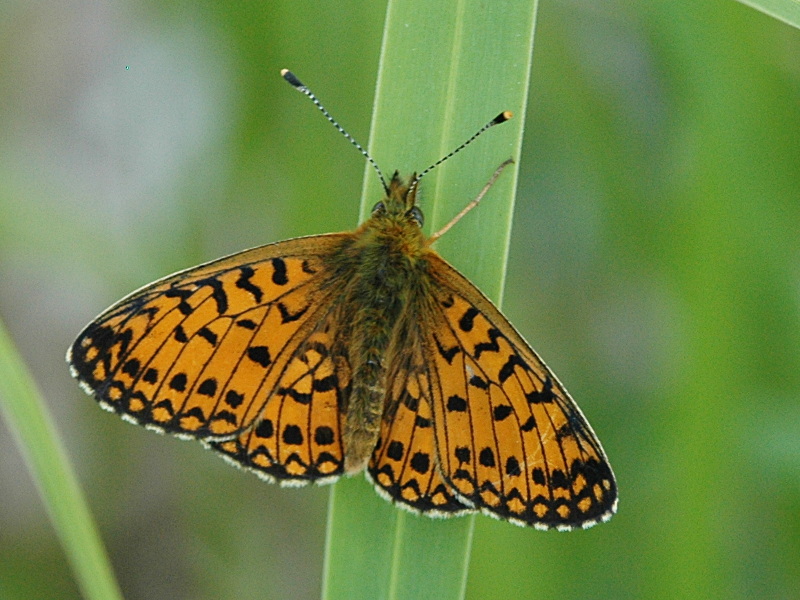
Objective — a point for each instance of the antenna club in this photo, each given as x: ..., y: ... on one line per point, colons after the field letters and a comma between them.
x: 292, y: 79
x: 503, y: 117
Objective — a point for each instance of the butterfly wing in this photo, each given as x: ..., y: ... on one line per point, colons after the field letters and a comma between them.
x: 403, y: 466
x: 509, y: 438
x: 298, y: 437
x: 198, y: 354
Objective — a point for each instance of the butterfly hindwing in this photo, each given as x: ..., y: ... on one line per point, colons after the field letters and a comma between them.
x: 404, y: 465
x: 198, y: 353
x: 509, y: 438
x: 298, y: 436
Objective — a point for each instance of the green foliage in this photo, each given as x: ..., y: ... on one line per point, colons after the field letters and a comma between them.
x: 787, y: 11
x: 25, y: 413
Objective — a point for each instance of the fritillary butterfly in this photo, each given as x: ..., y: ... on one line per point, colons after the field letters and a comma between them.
x: 314, y: 357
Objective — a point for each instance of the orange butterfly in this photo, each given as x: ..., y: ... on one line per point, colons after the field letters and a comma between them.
x: 309, y: 358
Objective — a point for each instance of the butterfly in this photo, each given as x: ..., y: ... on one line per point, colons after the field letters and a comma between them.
x: 319, y: 356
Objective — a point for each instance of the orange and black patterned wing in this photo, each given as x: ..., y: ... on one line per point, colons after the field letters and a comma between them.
x: 509, y: 438
x: 199, y: 353
x: 403, y: 466
x: 297, y: 439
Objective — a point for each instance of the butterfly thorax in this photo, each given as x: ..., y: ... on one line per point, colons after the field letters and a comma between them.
x: 387, y: 257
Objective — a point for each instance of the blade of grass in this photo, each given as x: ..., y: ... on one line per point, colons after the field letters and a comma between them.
x: 787, y: 11
x: 28, y: 420
x: 445, y: 70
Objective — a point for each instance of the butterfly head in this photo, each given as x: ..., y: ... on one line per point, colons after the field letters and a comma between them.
x: 400, y: 203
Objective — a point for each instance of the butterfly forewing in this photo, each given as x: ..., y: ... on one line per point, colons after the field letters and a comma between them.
x: 198, y: 353
x: 509, y: 438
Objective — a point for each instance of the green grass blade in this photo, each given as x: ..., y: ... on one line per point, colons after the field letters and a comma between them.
x: 446, y: 69
x: 27, y: 418
x: 787, y: 11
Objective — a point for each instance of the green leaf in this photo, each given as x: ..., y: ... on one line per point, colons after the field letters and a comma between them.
x: 787, y: 11
x: 446, y: 69
x: 27, y: 418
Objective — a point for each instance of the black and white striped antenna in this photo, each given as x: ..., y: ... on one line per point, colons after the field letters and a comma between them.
x: 301, y: 87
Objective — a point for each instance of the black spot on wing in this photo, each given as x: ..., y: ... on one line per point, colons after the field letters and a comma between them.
x: 446, y: 353
x: 507, y: 370
x: 233, y: 399
x: 131, y: 367
x: 323, y: 435
x: 178, y: 382
x: 217, y: 292
x: 456, y: 403
x: 183, y: 295
x: 288, y: 316
x: 208, y: 387
x: 512, y: 467
x: 244, y: 283
x: 296, y: 395
x: 467, y: 321
x: 259, y: 355
x: 265, y: 429
x: 486, y: 457
x: 180, y: 335
x: 395, y: 450
x: 501, y: 412
x: 543, y: 396
x: 292, y: 435
x: 279, y: 276
x: 208, y: 335
x: 421, y: 462
x: 326, y: 384
x: 490, y: 346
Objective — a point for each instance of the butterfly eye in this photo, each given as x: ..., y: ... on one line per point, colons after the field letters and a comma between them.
x: 379, y: 208
x: 416, y: 213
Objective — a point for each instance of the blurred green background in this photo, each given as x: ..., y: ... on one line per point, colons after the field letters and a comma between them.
x: 655, y: 264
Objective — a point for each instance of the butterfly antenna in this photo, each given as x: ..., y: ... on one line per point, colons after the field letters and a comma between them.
x: 501, y: 118
x: 300, y: 86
